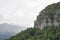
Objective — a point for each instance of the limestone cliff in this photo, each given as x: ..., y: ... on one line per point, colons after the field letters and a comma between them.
x: 48, y: 16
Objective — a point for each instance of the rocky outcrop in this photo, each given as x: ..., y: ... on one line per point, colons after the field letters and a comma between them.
x: 48, y: 16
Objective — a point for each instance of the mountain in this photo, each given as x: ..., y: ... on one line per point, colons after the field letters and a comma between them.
x: 50, y: 15
x: 10, y: 28
x: 6, y: 35
x: 7, y: 30
x: 46, y: 26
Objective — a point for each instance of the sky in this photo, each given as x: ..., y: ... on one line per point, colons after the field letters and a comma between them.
x: 22, y: 12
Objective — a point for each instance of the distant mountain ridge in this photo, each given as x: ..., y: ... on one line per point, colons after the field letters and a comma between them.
x: 7, y: 30
x: 5, y: 27
x: 4, y: 36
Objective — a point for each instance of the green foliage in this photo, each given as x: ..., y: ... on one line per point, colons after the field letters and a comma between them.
x: 40, y: 17
x: 48, y: 33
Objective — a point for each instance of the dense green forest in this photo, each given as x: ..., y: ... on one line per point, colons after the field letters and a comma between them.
x: 49, y: 32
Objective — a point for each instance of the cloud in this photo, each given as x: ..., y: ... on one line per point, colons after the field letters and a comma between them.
x: 22, y: 12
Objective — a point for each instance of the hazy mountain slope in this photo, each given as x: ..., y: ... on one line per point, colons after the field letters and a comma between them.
x: 7, y: 30
x: 4, y: 36
x: 10, y: 28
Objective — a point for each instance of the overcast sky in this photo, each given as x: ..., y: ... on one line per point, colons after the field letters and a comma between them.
x: 22, y: 12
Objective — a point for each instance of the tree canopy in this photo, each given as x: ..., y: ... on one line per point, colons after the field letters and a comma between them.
x: 48, y: 33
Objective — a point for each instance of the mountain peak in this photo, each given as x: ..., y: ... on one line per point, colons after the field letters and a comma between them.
x: 48, y: 16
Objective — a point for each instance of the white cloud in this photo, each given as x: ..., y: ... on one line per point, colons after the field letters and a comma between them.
x: 22, y: 12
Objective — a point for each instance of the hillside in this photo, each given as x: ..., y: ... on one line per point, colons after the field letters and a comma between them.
x: 6, y: 35
x: 5, y: 27
x: 48, y: 33
x: 46, y: 26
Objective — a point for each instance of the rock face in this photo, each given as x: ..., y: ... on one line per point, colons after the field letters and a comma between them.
x: 48, y: 16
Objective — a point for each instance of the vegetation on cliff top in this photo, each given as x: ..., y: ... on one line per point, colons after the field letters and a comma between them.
x: 51, y: 12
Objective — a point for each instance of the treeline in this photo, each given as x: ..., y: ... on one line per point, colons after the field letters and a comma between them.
x: 47, y: 33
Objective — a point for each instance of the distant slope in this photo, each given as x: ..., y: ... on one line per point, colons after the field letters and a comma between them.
x: 4, y: 36
x: 7, y: 30
x: 10, y: 28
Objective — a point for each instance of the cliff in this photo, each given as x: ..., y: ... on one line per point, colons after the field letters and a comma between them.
x: 48, y: 16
